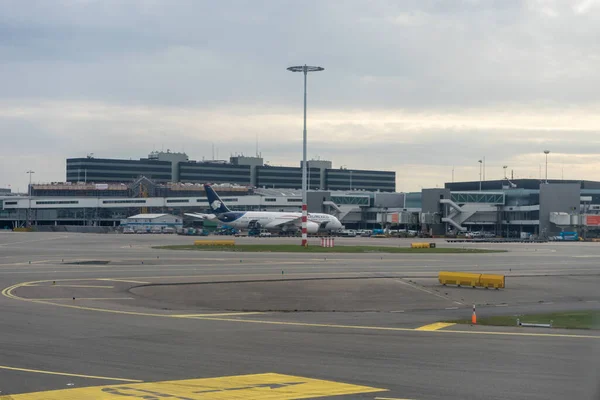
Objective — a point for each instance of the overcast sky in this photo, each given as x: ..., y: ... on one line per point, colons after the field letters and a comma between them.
x: 418, y: 87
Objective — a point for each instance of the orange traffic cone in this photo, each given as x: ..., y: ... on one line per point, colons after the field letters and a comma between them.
x: 474, y: 316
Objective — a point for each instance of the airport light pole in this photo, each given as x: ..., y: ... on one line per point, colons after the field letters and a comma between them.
x: 546, y: 152
x: 480, y: 167
x: 504, y: 168
x: 30, y: 172
x: 304, y: 69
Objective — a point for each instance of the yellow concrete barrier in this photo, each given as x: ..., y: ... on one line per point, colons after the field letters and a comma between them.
x: 471, y: 279
x: 23, y: 230
x: 492, y: 281
x: 459, y: 278
x: 222, y: 242
x: 420, y: 245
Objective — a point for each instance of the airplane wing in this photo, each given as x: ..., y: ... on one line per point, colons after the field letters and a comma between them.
x: 281, y: 222
x: 294, y: 223
x: 201, y: 216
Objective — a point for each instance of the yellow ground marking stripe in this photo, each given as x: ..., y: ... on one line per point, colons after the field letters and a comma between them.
x: 435, y: 326
x: 85, y: 286
x: 122, y: 280
x: 386, y: 328
x: 86, y: 298
x: 268, y: 386
x: 38, y: 371
x: 214, y: 314
x: 7, y: 292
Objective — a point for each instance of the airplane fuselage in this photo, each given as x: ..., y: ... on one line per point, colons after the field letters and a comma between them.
x: 279, y: 220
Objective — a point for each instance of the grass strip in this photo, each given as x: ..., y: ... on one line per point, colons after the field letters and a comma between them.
x: 566, y: 320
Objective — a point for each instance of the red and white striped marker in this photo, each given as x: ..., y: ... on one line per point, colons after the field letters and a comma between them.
x: 304, y: 226
x: 327, y: 242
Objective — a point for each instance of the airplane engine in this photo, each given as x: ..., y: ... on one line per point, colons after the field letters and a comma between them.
x: 312, y: 227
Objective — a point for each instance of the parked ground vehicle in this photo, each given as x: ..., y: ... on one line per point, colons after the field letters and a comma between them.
x: 566, y: 237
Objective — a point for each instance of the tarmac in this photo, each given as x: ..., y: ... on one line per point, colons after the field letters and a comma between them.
x: 88, y: 316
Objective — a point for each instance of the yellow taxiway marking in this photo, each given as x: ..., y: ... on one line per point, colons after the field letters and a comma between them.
x: 122, y: 280
x: 435, y: 326
x: 85, y: 286
x: 215, y: 314
x: 386, y: 328
x: 85, y: 298
x: 37, y: 371
x: 7, y: 292
x: 268, y: 386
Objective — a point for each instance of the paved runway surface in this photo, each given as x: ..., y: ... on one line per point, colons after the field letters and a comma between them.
x: 83, y: 318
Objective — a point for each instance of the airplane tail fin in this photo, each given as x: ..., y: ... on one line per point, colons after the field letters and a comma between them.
x: 214, y: 201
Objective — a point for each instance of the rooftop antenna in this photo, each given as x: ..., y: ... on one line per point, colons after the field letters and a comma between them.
x: 257, y: 145
x: 213, y: 151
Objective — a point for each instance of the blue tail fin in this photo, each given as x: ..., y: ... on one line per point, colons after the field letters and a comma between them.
x: 214, y: 201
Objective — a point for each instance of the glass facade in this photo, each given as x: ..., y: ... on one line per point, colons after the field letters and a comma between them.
x: 286, y: 177
x: 349, y: 199
x: 111, y: 170
x: 214, y: 173
x: 478, y: 197
x: 345, y: 179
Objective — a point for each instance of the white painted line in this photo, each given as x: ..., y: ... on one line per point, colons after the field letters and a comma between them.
x: 501, y: 305
x: 399, y: 311
x: 591, y: 301
x: 414, y: 286
x: 451, y: 308
x: 458, y: 302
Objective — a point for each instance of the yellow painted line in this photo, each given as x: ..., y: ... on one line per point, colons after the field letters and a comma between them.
x: 268, y: 386
x: 83, y: 286
x: 385, y: 328
x: 122, y: 280
x: 7, y: 292
x: 85, y: 298
x: 38, y: 371
x: 215, y: 314
x: 435, y: 327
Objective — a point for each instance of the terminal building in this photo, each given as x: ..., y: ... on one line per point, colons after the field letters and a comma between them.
x: 103, y: 192
x: 503, y: 209
x: 166, y: 166
x: 513, y: 208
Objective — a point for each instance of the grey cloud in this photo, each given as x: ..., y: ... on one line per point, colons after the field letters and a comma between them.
x: 187, y: 52
x: 420, y: 56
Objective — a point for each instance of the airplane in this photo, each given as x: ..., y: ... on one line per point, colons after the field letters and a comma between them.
x: 269, y: 220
